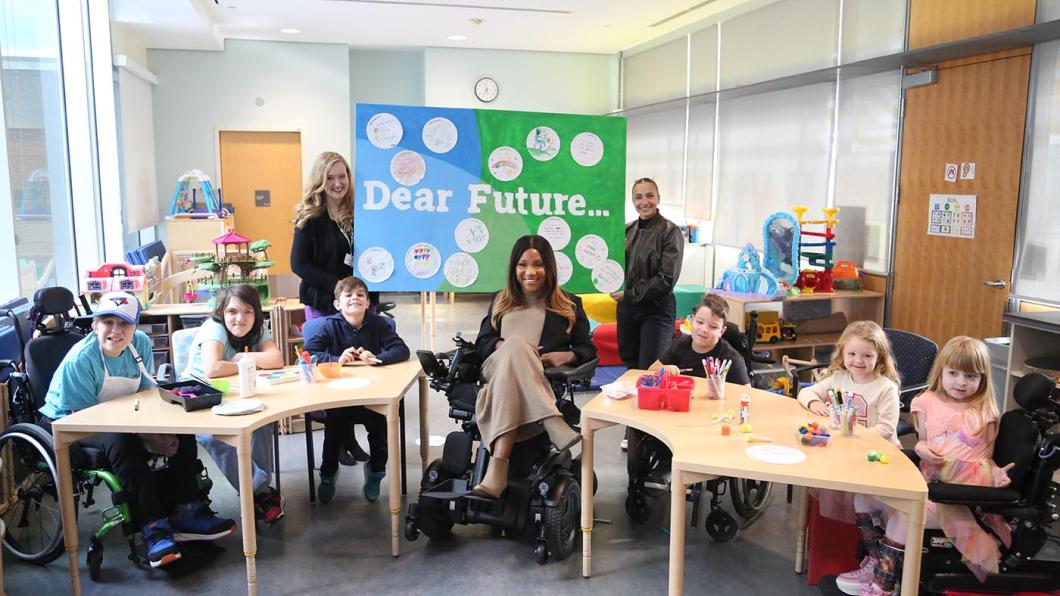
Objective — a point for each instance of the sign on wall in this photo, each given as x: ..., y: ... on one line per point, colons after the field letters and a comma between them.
x: 951, y: 215
x: 442, y: 194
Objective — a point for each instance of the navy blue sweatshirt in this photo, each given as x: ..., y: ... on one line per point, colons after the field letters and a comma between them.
x: 329, y: 338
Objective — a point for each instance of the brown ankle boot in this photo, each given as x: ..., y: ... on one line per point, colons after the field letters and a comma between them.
x: 561, y: 435
x: 496, y: 479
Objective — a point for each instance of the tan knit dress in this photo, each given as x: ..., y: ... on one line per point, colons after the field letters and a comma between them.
x: 516, y: 395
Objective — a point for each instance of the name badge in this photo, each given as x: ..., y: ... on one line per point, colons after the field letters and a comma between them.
x: 348, y: 261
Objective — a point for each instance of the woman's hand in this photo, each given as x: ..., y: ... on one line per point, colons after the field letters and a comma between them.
x: 616, y: 296
x: 554, y: 359
x: 1001, y: 479
x: 818, y: 407
x: 928, y: 455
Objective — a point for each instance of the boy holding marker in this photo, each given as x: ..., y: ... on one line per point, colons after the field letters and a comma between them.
x: 703, y: 353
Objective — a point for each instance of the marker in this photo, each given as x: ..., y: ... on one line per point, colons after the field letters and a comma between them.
x: 136, y: 405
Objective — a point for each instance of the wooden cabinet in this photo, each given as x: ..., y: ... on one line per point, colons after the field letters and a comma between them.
x: 1033, y: 335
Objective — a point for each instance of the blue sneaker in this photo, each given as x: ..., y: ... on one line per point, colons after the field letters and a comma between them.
x: 371, y: 483
x: 158, y: 538
x: 195, y: 521
x: 326, y: 488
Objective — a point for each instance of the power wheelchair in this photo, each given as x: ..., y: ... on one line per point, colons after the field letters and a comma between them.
x: 544, y: 485
x: 30, y: 506
x: 649, y: 462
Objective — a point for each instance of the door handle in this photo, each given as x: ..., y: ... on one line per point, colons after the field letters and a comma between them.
x: 994, y: 283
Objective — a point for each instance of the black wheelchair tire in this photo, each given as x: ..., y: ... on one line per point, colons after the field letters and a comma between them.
x: 562, y: 522
x: 721, y: 525
x: 94, y: 558
x: 32, y: 440
x: 747, y: 505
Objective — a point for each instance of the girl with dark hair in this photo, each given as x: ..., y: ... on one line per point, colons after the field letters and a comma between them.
x: 531, y: 325
x: 237, y: 330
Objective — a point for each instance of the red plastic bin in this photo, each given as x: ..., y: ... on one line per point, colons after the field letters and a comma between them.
x: 675, y: 394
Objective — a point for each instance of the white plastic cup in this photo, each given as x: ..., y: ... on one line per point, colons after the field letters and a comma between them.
x: 716, y: 387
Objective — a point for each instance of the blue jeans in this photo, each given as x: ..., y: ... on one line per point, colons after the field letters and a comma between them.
x: 224, y: 455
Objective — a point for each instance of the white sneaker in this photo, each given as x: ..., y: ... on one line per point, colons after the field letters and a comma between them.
x: 852, y: 582
x: 624, y: 445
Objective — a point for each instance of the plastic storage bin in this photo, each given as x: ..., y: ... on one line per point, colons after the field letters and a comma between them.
x: 674, y: 394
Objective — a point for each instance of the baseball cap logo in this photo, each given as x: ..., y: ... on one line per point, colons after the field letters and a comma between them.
x: 119, y: 300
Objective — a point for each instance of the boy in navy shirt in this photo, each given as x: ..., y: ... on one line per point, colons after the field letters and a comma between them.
x: 350, y: 335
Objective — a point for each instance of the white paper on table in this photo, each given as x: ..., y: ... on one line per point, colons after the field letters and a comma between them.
x: 619, y: 390
x: 238, y: 407
x: 349, y: 383
x: 775, y: 454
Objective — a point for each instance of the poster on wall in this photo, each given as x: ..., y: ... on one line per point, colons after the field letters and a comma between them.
x: 442, y: 194
x: 951, y: 215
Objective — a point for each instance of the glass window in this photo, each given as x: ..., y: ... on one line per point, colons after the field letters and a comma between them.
x: 654, y: 75
x: 36, y: 150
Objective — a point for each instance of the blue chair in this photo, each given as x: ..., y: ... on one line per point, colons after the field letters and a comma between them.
x: 914, y: 356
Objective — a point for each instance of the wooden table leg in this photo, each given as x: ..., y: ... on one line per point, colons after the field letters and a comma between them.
x: 802, y: 504
x: 587, y: 499
x: 394, y: 485
x: 425, y: 436
x: 246, y: 511
x: 914, y: 540
x: 677, y: 532
x: 66, y: 503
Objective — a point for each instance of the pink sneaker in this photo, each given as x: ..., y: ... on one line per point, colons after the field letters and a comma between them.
x: 874, y: 590
x: 852, y: 582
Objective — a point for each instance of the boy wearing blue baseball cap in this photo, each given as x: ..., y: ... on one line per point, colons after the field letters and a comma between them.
x: 107, y: 364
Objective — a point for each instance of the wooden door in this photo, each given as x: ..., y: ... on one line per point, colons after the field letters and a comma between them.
x: 252, y: 162
x: 974, y: 113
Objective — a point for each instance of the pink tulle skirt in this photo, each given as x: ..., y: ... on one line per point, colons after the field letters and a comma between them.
x: 978, y: 548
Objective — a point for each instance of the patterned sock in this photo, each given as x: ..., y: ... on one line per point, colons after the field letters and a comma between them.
x: 890, y: 562
x: 870, y: 534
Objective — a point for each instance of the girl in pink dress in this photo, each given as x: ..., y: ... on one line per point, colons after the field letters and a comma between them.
x: 957, y: 422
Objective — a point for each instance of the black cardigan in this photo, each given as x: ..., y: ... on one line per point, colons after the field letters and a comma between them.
x: 554, y: 336
x: 318, y: 256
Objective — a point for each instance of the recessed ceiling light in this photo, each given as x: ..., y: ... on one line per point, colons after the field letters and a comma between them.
x: 457, y: 37
x: 290, y: 31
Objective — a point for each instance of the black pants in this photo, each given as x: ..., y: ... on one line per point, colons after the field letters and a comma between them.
x: 644, y: 332
x: 339, y: 423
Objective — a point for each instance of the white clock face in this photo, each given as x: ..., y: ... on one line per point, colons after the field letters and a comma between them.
x: 486, y: 89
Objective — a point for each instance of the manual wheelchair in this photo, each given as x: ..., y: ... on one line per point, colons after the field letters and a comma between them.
x: 544, y: 485
x: 30, y: 507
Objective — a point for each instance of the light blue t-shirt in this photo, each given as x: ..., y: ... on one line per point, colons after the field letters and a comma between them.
x: 79, y: 377
x: 211, y: 330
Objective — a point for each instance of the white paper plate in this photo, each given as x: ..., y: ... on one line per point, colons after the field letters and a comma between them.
x: 775, y: 454
x: 349, y: 383
x: 238, y: 407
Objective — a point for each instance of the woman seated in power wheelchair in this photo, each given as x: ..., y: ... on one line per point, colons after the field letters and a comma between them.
x: 166, y: 506
x: 648, y: 458
x: 532, y: 344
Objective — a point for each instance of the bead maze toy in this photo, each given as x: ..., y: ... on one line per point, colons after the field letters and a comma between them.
x: 813, y: 280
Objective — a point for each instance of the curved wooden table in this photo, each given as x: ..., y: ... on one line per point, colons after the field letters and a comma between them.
x: 388, y: 385
x: 700, y: 453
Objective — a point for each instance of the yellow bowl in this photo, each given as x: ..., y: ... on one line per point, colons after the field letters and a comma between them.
x: 222, y: 385
x: 330, y: 370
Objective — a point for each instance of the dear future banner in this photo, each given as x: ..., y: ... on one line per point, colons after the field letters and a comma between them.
x: 442, y: 194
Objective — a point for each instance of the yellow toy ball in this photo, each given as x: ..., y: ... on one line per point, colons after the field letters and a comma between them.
x: 745, y: 427
x: 884, y: 459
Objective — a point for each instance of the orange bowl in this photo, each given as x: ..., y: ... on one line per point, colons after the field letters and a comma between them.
x: 330, y: 370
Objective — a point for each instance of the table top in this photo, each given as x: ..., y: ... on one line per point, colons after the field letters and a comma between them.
x: 837, y: 295
x: 699, y: 446
x: 155, y: 415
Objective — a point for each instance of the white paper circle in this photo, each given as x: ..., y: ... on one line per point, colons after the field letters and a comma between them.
x: 461, y: 269
x: 439, y: 135
x: 608, y: 276
x: 423, y: 260
x: 349, y: 383
x: 542, y: 143
x: 384, y: 130
x: 375, y: 265
x: 407, y: 167
x: 590, y: 251
x: 556, y: 231
x: 505, y: 164
x: 775, y: 454
x: 587, y: 149
x: 471, y: 235
x: 564, y: 268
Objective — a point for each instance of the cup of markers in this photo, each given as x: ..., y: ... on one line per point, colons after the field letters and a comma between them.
x: 716, y: 370
x: 842, y: 414
x: 305, y: 367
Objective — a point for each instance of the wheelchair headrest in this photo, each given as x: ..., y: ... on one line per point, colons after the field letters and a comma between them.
x: 1034, y: 392
x: 53, y: 301
x: 735, y: 338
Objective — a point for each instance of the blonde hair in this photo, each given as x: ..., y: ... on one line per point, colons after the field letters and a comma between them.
x: 871, y: 333
x: 314, y: 202
x: 512, y: 296
x: 968, y: 355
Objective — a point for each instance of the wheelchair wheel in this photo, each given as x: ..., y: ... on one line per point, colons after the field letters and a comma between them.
x: 721, y: 525
x: 31, y: 511
x: 637, y: 508
x: 562, y: 522
x: 749, y: 497
x: 95, y: 559
x: 433, y: 527
x: 576, y: 468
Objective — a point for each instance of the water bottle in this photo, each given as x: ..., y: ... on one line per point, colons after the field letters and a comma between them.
x: 248, y: 376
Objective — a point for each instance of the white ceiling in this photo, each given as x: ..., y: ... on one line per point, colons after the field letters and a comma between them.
x: 595, y: 26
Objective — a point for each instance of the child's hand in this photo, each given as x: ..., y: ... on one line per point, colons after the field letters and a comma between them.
x: 348, y: 356
x: 927, y: 454
x: 367, y: 356
x: 1001, y: 479
x: 671, y: 370
x: 818, y: 407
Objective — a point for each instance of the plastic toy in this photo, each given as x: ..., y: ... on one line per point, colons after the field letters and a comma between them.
x: 745, y: 427
x: 788, y: 331
x: 877, y: 456
x: 748, y: 276
x: 664, y: 392
x: 780, y: 239
x: 812, y: 434
x: 183, y: 203
x: 768, y: 326
x: 781, y: 385
x: 141, y: 281
x: 236, y: 261
x: 845, y: 276
x: 811, y: 280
